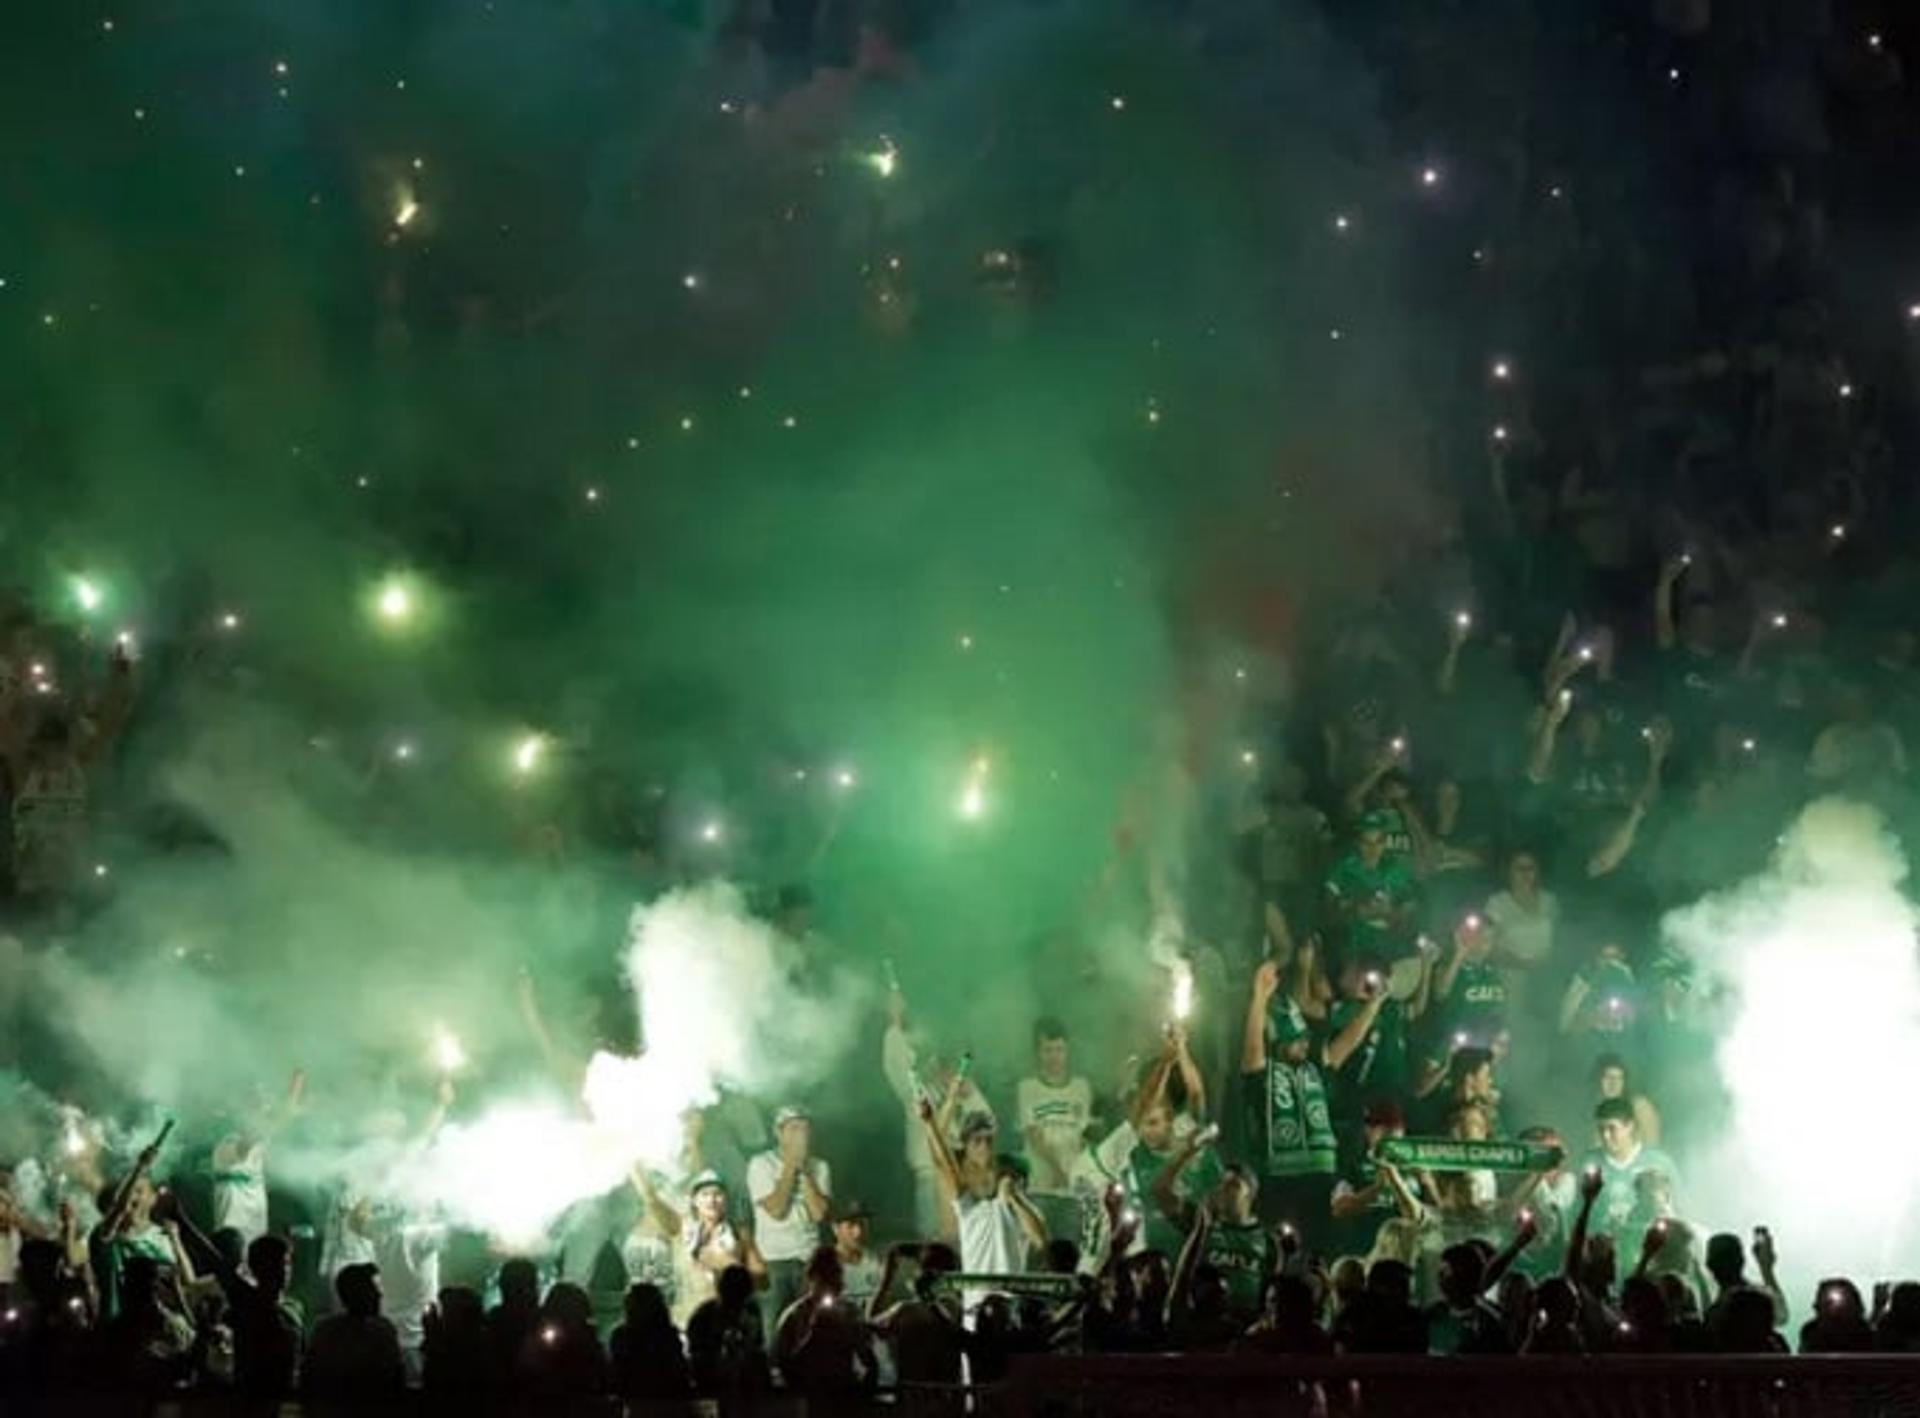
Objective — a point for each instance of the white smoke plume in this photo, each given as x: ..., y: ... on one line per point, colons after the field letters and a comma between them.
x: 1820, y: 1042
x: 722, y: 1005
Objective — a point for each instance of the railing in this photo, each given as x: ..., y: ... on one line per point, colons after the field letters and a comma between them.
x: 1238, y: 1386
x: 1616, y: 1386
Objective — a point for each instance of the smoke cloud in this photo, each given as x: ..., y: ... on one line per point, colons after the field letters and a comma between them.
x: 1819, y: 961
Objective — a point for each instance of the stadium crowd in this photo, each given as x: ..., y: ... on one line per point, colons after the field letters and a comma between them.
x: 1449, y: 1061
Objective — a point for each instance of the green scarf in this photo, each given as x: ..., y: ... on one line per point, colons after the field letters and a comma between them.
x: 1299, y: 1128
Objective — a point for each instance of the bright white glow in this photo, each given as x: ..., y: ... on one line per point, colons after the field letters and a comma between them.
x: 1182, y: 990
x: 87, y: 594
x: 710, y: 831
x: 843, y: 778
x: 403, y: 751
x: 395, y: 602
x: 448, y: 1056
x: 1502, y: 370
x: 1499, y: 433
x: 885, y: 158
x: 1117, y: 103
x: 528, y: 753
x: 1818, y: 957
x: 229, y: 621
x: 1342, y: 222
x: 691, y: 281
x: 1429, y: 177
x: 973, y: 801
x: 405, y: 210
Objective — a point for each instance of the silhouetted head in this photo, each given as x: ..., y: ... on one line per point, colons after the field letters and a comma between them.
x: 519, y: 1285
x: 270, y: 1259
x: 358, y: 1288
x: 646, y: 1307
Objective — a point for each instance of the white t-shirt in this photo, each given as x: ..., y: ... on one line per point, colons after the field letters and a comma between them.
x: 795, y: 1236
x: 408, y: 1254
x: 991, y: 1241
x: 240, y: 1188
x: 1062, y: 1112
x: 1525, y: 935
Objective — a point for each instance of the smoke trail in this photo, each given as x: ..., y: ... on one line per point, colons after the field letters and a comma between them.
x: 724, y: 1002
x: 1818, y: 959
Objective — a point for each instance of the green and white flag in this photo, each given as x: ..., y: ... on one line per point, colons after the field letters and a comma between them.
x: 1447, y: 1154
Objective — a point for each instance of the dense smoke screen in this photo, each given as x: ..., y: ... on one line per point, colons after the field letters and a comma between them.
x: 1818, y: 969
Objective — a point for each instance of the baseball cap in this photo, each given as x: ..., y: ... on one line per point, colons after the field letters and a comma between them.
x: 852, y: 1209
x: 708, y: 1178
x: 976, y: 1123
x: 790, y: 1113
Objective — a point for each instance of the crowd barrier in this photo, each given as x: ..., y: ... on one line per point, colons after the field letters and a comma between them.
x: 1228, y: 1386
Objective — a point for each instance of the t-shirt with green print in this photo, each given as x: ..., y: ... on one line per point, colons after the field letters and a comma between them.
x: 1244, y: 1257
x: 1197, y: 1180
x: 1377, y: 1067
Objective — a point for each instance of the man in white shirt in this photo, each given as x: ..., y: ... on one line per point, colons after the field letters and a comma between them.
x: 1053, y: 1110
x: 791, y: 1191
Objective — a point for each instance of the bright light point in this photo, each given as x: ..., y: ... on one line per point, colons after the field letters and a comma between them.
x: 239, y: 170
x: 87, y: 594
x: 1153, y: 413
x: 1499, y: 433
x: 885, y: 158
x: 395, y: 602
x: 403, y: 752
x: 686, y: 423
x: 528, y: 753
x: 419, y: 164
x: 1779, y: 620
x: 48, y: 319
x: 1117, y: 103
x: 1837, y: 531
x: 229, y: 621
x: 280, y: 68
x: 1249, y: 757
x: 448, y: 1056
x: 106, y: 26
x: 1873, y: 40
x: 593, y: 494
x: 966, y: 642
x: 1913, y: 312
x: 1429, y: 177
x: 710, y: 832
x: 1747, y: 745
x: 140, y: 115
x: 843, y: 778
x: 406, y: 211
x: 1502, y: 370
x: 1342, y: 222
x: 973, y: 801
x: 99, y: 868
x: 691, y: 280
x: 1463, y: 619
x: 1556, y: 192
x: 1240, y: 672
x: 746, y: 391
x: 789, y: 422
x: 1846, y: 391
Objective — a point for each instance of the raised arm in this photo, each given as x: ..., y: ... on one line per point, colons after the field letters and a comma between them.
x: 655, y: 1205
x: 1190, y: 1076
x: 945, y: 1165
x: 1341, y: 1046
x: 1458, y: 631
x: 1166, y: 1185
x: 1546, y: 733
x: 1577, y: 1236
x: 1663, y: 623
x: 1607, y: 859
x: 115, y: 1211
x: 1179, y: 1291
x: 1253, y: 1041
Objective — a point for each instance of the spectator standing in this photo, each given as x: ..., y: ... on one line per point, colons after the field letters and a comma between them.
x: 792, y: 1191
x: 1292, y: 1123
x: 1053, y: 1108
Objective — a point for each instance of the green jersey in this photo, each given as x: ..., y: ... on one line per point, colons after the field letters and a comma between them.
x: 1367, y: 895
x: 1477, y: 1004
x: 1377, y: 1068
x: 1244, y: 1256
x: 1197, y: 1180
